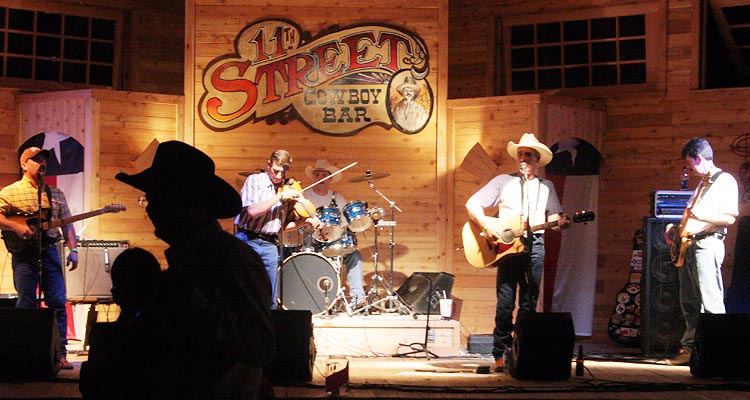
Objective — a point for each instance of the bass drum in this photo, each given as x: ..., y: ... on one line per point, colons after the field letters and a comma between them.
x: 309, y: 281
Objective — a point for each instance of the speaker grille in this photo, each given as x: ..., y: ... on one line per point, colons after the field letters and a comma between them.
x: 662, y: 324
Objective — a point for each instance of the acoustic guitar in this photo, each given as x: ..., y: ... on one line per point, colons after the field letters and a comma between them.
x: 16, y: 244
x: 481, y: 253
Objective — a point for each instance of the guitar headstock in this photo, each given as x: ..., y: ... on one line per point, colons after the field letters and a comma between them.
x: 115, y: 208
x: 583, y: 216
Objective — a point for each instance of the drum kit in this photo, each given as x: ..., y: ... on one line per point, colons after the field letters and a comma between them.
x: 309, y: 273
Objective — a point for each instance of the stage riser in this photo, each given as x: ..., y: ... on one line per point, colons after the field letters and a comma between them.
x: 381, y: 335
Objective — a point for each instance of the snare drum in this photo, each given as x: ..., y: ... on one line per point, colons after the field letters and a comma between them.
x: 331, y: 219
x: 356, y: 214
x: 346, y: 244
x: 309, y: 281
x: 298, y: 239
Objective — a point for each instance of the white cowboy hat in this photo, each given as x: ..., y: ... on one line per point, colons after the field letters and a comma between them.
x: 529, y: 140
x: 322, y: 165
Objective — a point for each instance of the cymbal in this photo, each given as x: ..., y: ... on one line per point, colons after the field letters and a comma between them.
x: 370, y: 177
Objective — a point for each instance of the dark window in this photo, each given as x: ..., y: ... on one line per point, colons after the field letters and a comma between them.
x: 577, y: 53
x: 726, y: 38
x: 57, y: 47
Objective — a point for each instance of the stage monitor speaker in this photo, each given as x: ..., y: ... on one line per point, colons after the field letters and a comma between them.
x: 29, y: 343
x: 295, y: 348
x: 662, y: 324
x: 543, y: 347
x: 91, y: 280
x: 415, y: 291
x: 721, y: 347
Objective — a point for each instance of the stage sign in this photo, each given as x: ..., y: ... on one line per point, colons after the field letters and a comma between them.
x: 336, y: 84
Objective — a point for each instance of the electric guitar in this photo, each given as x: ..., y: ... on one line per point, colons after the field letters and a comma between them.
x: 481, y: 253
x: 679, y: 245
x: 16, y: 244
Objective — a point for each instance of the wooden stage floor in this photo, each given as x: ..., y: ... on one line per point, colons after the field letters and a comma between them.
x: 611, y: 372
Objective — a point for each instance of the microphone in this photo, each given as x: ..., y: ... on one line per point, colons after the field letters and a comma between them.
x: 286, y: 168
x: 40, y: 173
x: 524, y: 169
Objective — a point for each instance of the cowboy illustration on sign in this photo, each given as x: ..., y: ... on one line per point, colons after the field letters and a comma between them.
x: 337, y: 84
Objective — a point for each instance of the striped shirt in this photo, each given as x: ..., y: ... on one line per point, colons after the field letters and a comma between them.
x: 21, y: 197
x: 258, y: 187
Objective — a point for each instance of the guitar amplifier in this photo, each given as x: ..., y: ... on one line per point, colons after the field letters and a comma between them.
x: 91, y: 280
x: 670, y: 204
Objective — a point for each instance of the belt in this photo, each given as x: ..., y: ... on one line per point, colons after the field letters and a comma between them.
x: 703, y: 235
x: 268, y: 237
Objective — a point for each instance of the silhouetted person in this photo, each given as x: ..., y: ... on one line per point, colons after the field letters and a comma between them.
x: 124, y: 358
x: 217, y: 292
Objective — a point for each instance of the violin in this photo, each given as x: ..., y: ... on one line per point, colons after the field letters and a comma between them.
x: 303, y: 208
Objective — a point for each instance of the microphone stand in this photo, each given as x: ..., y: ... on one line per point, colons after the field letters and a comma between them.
x: 422, y: 347
x: 529, y: 239
x: 38, y: 234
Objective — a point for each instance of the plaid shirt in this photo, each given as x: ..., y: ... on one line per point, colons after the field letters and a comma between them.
x: 21, y: 197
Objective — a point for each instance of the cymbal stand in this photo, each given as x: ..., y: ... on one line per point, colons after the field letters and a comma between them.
x: 392, y: 302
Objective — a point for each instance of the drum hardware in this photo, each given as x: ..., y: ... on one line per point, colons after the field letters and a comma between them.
x: 392, y: 302
x: 368, y: 177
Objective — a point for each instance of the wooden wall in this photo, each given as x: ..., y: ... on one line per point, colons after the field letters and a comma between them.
x: 644, y: 131
x: 415, y: 162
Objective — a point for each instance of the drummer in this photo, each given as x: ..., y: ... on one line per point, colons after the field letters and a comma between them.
x: 323, y: 196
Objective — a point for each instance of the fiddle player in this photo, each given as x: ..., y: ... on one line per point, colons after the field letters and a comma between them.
x: 323, y: 196
x: 266, y: 199
x: 525, y: 196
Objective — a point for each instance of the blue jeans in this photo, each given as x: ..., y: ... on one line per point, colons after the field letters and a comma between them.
x: 511, y: 274
x: 269, y: 253
x: 26, y: 281
x: 354, y: 275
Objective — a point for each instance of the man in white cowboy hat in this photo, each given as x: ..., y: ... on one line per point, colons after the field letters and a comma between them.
x: 520, y: 196
x: 323, y: 196
x: 407, y: 113
x: 21, y: 198
x: 217, y: 295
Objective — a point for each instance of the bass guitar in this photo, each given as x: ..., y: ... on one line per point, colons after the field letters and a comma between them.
x: 680, y: 244
x: 16, y: 244
x: 481, y: 253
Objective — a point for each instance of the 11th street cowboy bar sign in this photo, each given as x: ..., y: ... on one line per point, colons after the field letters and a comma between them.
x: 336, y: 84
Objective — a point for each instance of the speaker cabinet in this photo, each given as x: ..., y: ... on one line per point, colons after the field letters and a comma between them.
x: 29, y: 343
x: 92, y: 279
x: 416, y: 290
x: 662, y: 324
x: 295, y: 347
x: 721, y: 347
x: 543, y: 346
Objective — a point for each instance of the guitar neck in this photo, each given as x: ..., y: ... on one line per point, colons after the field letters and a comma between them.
x: 534, y: 228
x: 57, y: 223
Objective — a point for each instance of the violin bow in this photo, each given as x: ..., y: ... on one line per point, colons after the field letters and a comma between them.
x: 329, y: 176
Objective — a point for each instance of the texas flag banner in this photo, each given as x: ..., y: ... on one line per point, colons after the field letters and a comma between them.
x: 571, y: 255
